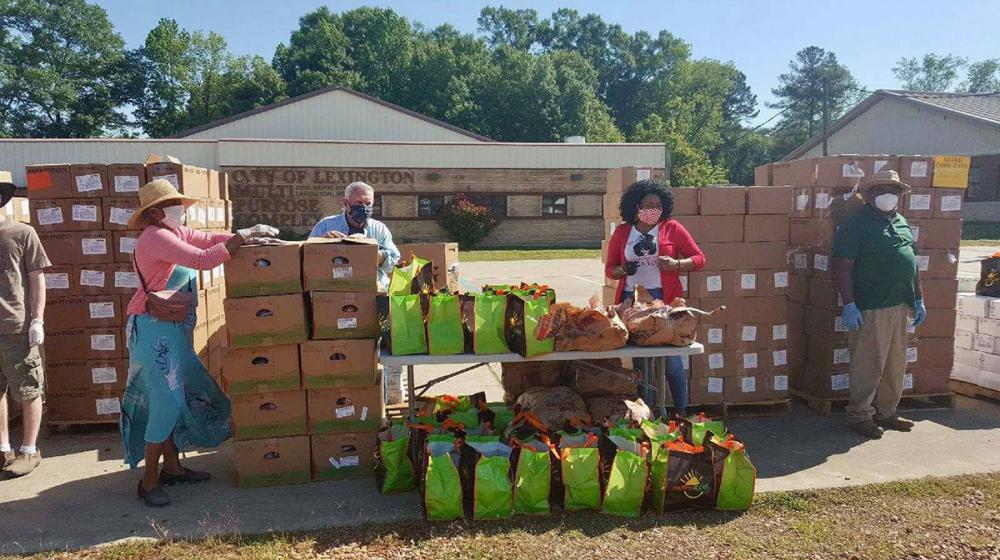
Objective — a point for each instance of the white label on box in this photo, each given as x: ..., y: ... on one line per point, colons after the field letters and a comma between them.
x: 984, y: 343
x: 780, y: 279
x: 911, y: 355
x: 916, y: 232
x: 102, y: 342
x: 715, y: 336
x: 748, y: 384
x: 104, y: 375
x: 780, y: 382
x: 780, y: 357
x: 49, y: 216
x: 951, y: 203
x: 125, y: 279
x: 801, y: 261
x: 684, y: 283
x: 364, y: 413
x: 172, y: 179
x: 923, y: 263
x: 57, y: 281
x: 841, y: 355
x: 349, y: 461
x: 88, y: 183
x: 851, y: 170
x: 126, y: 183
x: 201, y: 216
x: 714, y: 283
x: 918, y: 169
x: 841, y: 382
x: 108, y: 406
x: 920, y: 202
x: 24, y: 206
x: 192, y: 214
x: 802, y: 202
x: 748, y: 281
x: 750, y: 360
x: 127, y: 245
x: 715, y: 385
x: 749, y: 333
x: 911, y: 327
x: 218, y: 273
x: 347, y: 323
x: 643, y: 174
x: 343, y: 272
x: 84, y: 213
x: 907, y: 381
x: 611, y: 228
x: 715, y: 361
x: 344, y: 411
x: 838, y: 324
x: 952, y: 258
x: 97, y: 246
x: 879, y: 164
x: 102, y: 310
x: 823, y: 200
x: 94, y: 278
x: 334, y: 462
x: 821, y: 262
x: 121, y: 216
x: 779, y: 332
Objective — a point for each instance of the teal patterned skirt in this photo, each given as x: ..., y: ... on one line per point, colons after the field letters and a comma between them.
x: 169, y: 391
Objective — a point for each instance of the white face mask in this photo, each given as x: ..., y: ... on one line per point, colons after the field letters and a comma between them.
x: 886, y: 202
x: 175, y: 216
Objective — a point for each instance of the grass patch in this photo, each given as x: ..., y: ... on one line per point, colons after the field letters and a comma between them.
x: 980, y: 233
x: 952, y: 517
x: 525, y: 254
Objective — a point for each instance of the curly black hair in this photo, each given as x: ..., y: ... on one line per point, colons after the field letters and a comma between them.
x: 633, y: 195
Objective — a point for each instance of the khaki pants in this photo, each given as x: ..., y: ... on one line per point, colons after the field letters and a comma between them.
x: 878, y: 362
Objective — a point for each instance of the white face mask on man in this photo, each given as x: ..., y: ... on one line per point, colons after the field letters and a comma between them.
x: 174, y: 216
x: 887, y: 202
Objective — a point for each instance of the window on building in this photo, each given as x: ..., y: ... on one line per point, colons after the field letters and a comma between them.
x: 428, y: 206
x: 497, y: 203
x: 554, y: 205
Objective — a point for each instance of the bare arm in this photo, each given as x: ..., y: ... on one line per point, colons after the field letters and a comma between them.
x: 36, y: 289
x: 842, y: 281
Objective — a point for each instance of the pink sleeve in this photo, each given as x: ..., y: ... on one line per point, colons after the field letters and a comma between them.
x: 687, y: 247
x: 204, y: 239
x: 170, y: 249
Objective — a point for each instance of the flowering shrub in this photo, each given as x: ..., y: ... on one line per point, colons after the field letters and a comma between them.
x: 465, y: 221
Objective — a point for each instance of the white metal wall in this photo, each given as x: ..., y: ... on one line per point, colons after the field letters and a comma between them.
x: 335, y: 115
x: 896, y: 127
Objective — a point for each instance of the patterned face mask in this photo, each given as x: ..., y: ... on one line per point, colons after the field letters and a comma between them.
x: 360, y: 213
x: 650, y: 216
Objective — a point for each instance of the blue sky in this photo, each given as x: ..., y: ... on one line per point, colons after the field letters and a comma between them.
x: 759, y: 36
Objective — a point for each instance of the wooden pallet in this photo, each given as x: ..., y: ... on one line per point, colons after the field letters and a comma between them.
x: 86, y: 426
x: 974, y: 391
x: 776, y: 407
x: 830, y: 406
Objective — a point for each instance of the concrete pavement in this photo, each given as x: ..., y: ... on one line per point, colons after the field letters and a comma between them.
x: 82, y: 495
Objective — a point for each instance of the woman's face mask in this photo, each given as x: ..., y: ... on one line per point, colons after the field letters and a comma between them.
x: 173, y: 216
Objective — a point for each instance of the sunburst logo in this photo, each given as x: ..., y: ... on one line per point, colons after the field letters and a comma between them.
x: 693, y: 486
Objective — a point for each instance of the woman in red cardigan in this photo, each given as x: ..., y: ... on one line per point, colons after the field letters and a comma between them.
x: 650, y: 249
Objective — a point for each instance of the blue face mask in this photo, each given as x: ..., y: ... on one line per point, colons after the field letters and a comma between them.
x: 360, y: 213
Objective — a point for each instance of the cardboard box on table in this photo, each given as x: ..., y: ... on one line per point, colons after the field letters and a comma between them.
x: 343, y: 456
x: 715, y: 364
x: 754, y: 388
x: 118, y: 211
x: 706, y: 390
x: 345, y: 409
x: 269, y: 414
x: 272, y: 461
x: 340, y: 265
x: 86, y: 375
x: 87, y: 344
x: 266, y: 321
x: 338, y: 363
x: 710, y: 284
x: 259, y: 370
x: 78, y: 247
x: 918, y: 203
x: 83, y: 406
x: 444, y: 259
x: 258, y: 270
x: 66, y: 214
x: 84, y: 312
x: 948, y: 203
x: 189, y: 180
x: 62, y: 280
x: 338, y: 315
x: 67, y: 181
x: 125, y: 179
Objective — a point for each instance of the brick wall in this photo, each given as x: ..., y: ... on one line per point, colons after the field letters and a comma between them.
x: 399, y: 206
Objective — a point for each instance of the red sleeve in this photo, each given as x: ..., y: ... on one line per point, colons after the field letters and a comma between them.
x: 686, y: 246
x: 616, y: 248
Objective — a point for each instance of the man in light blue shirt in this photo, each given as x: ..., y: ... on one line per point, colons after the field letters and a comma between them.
x: 359, y: 200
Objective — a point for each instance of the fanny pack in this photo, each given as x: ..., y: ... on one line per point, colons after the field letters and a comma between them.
x: 165, y: 305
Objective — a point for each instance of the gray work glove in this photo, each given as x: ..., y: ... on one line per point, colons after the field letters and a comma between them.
x: 257, y: 231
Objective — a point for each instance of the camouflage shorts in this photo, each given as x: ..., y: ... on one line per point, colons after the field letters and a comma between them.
x: 20, y: 367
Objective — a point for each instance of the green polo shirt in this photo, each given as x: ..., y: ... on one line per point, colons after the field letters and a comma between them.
x: 883, y: 250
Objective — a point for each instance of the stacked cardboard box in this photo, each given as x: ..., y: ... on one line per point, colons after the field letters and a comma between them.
x: 821, y: 194
x: 304, y: 407
x: 81, y: 212
x: 977, y: 344
x: 17, y: 210
x: 443, y: 257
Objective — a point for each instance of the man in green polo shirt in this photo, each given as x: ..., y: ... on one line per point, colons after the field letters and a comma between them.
x: 875, y: 272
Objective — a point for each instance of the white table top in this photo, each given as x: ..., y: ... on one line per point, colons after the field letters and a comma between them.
x: 626, y: 352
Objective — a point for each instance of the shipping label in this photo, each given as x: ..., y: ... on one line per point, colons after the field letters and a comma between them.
x: 840, y: 382
x: 713, y: 283
x: 780, y: 279
x: 748, y: 281
x: 920, y: 202
x: 715, y: 385
x: 801, y: 261
x: 907, y: 381
x: 923, y: 262
x: 951, y: 203
x: 918, y: 169
x: 749, y: 333
x: 88, y: 183
x: 821, y: 262
x: 364, y: 413
x: 172, y: 179
x: 102, y: 310
x: 779, y: 332
x: 101, y: 375
x: 102, y: 342
x: 84, y: 213
x: 126, y: 183
x: 802, y: 202
x: 343, y: 272
x: 108, y: 406
x: 838, y: 324
x: 643, y: 174
x: 748, y: 384
x: 127, y: 245
x: 750, y: 360
x: 716, y: 361
x: 49, y: 216
x: 126, y: 279
x: 121, y: 216
x: 823, y: 200
x: 715, y: 336
x: 57, y: 281
x: 780, y: 382
x: 852, y: 170
x: 779, y: 357
x: 95, y: 246
x: 911, y: 355
x: 344, y: 411
x: 841, y: 356
x: 347, y: 323
x: 93, y: 278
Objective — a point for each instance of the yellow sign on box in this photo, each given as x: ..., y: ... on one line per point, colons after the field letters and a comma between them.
x: 951, y: 171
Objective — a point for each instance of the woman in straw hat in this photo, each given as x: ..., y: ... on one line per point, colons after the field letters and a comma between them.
x: 171, y: 402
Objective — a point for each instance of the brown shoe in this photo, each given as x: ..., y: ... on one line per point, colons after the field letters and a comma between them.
x: 896, y: 423
x: 867, y: 428
x: 24, y: 464
x: 6, y: 459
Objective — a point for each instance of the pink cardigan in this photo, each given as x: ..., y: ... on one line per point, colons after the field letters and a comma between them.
x: 160, y: 249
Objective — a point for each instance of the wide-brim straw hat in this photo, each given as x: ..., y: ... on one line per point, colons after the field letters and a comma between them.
x: 153, y: 193
x: 883, y: 178
x: 7, y: 187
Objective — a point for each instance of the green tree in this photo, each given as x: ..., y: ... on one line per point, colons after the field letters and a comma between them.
x: 983, y: 77
x: 580, y: 111
x: 815, y: 80
x: 316, y: 55
x: 931, y: 73
x: 379, y: 50
x: 518, y: 29
x: 517, y: 97
x: 63, y: 70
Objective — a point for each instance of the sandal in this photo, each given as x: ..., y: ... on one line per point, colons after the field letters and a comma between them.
x: 189, y: 477
x: 154, y: 497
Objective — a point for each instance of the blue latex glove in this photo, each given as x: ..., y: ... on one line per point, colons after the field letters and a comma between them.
x: 919, y: 312
x: 852, y: 317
